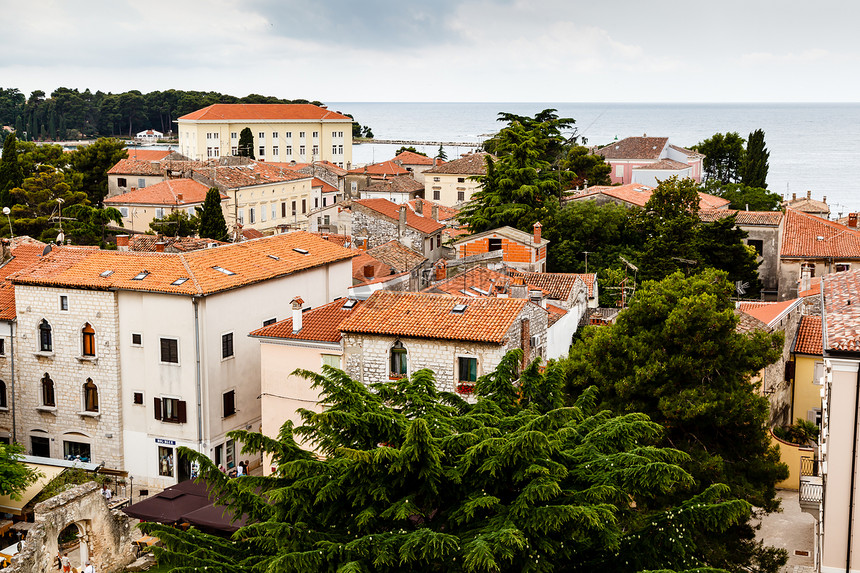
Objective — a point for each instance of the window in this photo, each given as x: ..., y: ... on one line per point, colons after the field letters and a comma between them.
x: 141, y: 183
x: 234, y: 150
x: 137, y: 398
x: 2, y: 347
x: 124, y: 211
x: 136, y: 339
x: 234, y: 135
x: 461, y: 196
x: 843, y: 267
x: 64, y: 302
x: 334, y: 149
x: 619, y: 171
x: 316, y: 135
x: 340, y: 149
x: 88, y: 339
x: 3, y: 403
x: 288, y: 150
x: 494, y: 244
x: 757, y: 244
x: 262, y: 213
x: 436, y: 180
x: 261, y: 135
x: 353, y: 186
x: 269, y: 321
x: 301, y: 149
x: 284, y: 209
x: 121, y: 182
x: 398, y: 360
x: 275, y: 150
x: 304, y: 206
x: 170, y: 410
x: 170, y: 350
x: 91, y: 396
x: 140, y: 276
x: 159, y: 213
x: 240, y: 216
x: 274, y: 135
x: 317, y: 202
x: 165, y: 461
x: 437, y: 194
x: 807, y: 267
x: 48, y: 391
x: 226, y: 345
x: 229, y: 400
x: 467, y: 369
x: 262, y: 151
x: 315, y: 150
x: 274, y: 210
x: 461, y: 179
x: 332, y: 360
x: 40, y: 446
x: 301, y: 134
x: 252, y: 215
x: 818, y: 373
x: 76, y: 451
x: 288, y: 135
x: 45, y: 338
x: 294, y: 208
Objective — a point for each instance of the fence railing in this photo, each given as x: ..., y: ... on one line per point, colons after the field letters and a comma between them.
x: 811, y: 492
x: 808, y: 466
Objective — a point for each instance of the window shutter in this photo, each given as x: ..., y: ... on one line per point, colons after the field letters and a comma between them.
x: 789, y: 371
x: 182, y: 414
x: 157, y: 408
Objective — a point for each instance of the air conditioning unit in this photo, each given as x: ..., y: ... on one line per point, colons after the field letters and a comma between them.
x: 534, y: 341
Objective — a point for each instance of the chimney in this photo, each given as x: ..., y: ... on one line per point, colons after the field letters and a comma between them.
x: 179, y: 197
x: 525, y: 341
x: 824, y: 199
x: 122, y: 242
x: 537, y: 228
x: 518, y: 289
x: 441, y: 270
x: 419, y: 207
x: 159, y: 247
x: 805, y: 278
x: 297, y: 313
x: 809, y: 194
x: 794, y: 196
x: 402, y: 223
x: 368, y: 271
x: 852, y: 220
x: 434, y: 212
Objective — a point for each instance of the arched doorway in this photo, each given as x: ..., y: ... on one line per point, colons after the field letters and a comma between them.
x: 73, y: 541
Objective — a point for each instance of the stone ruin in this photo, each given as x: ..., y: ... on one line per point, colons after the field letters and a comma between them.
x: 105, y: 534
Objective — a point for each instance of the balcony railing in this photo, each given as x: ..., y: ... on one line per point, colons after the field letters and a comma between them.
x: 809, y: 466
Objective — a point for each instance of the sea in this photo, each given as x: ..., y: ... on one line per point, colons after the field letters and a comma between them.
x: 814, y: 147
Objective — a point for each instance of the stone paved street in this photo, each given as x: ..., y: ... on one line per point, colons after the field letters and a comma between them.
x: 792, y: 530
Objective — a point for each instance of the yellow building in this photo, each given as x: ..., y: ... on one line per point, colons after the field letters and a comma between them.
x: 282, y: 133
x: 808, y: 371
x: 140, y: 207
x: 451, y: 183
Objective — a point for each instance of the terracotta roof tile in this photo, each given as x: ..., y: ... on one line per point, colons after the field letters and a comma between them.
x: 164, y: 193
x: 745, y: 218
x: 321, y: 324
x: 398, y: 256
x: 342, y: 240
x: 589, y: 279
x: 146, y: 243
x: 555, y: 314
x: 232, y: 176
x: 809, y: 336
x: 471, y: 164
x: 422, y: 315
x: 635, y: 148
x: 809, y: 236
x: 814, y: 288
x: 748, y: 323
x: 392, y: 210
x: 443, y: 212
x: 687, y: 152
x: 665, y: 164
x: 842, y: 310
x: 138, y: 167
x: 263, y: 111
x: 477, y: 281
x: 246, y: 263
x: 638, y: 194
x: 400, y: 184
x: 768, y: 312
x: 248, y: 234
x: 366, y: 263
x: 26, y: 252
x: 326, y: 187
x: 387, y: 168
x: 147, y: 154
x: 410, y: 158
x: 557, y: 285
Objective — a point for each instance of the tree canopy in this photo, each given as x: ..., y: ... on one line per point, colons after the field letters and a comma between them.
x: 409, y: 148
x: 177, y: 224
x: 754, y: 165
x: 93, y: 162
x: 246, y: 143
x: 212, y: 224
x: 11, y: 173
x: 743, y: 197
x: 15, y: 476
x: 675, y: 354
x: 415, y: 480
x: 723, y: 157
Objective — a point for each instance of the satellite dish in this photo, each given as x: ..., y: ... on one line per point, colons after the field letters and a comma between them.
x: 60, y: 238
x: 6, y: 210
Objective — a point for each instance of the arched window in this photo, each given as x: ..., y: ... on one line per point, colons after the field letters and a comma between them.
x: 88, y: 337
x: 91, y: 396
x: 47, y: 391
x: 3, y: 403
x: 398, y: 360
x: 46, y: 343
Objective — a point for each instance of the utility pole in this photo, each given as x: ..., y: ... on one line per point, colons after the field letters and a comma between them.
x: 586, y: 260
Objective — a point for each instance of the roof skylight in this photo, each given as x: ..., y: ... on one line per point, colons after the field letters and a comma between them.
x: 179, y: 281
x: 301, y: 251
x: 349, y: 304
x: 141, y: 275
x: 106, y: 273
x: 223, y: 270
x: 274, y: 257
x: 459, y: 308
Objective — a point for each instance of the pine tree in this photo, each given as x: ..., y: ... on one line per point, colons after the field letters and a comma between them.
x: 754, y: 165
x: 11, y: 173
x: 409, y: 479
x: 212, y: 224
x: 246, y: 143
x: 441, y: 153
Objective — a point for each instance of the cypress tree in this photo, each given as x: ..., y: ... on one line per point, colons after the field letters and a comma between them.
x: 11, y: 173
x: 754, y: 165
x: 246, y: 143
x: 441, y: 153
x: 212, y: 224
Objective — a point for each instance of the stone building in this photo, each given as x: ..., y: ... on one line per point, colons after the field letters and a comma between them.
x: 455, y: 182
x: 394, y: 334
x: 377, y: 221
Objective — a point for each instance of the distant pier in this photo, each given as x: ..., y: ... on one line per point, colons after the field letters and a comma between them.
x: 413, y: 143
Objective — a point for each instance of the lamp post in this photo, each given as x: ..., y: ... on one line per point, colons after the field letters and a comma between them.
x: 6, y: 211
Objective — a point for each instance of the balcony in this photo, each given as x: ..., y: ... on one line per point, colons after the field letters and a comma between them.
x: 811, y: 486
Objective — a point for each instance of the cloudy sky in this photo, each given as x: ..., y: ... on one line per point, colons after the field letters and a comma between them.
x: 441, y: 50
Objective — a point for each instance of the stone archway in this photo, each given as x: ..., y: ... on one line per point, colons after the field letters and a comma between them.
x: 105, y: 534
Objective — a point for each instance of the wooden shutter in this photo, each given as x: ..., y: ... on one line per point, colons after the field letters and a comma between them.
x: 157, y: 408
x: 183, y: 417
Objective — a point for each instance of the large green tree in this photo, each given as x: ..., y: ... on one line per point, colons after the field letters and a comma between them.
x: 246, y: 143
x: 744, y: 197
x: 15, y: 475
x: 89, y: 224
x: 93, y: 162
x: 755, y: 161
x: 676, y: 355
x: 723, y: 156
x: 212, y: 224
x: 413, y: 480
x: 177, y: 224
x: 35, y: 210
x: 11, y: 173
x: 587, y: 168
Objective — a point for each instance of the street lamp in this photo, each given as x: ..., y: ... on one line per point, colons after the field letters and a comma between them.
x: 6, y: 211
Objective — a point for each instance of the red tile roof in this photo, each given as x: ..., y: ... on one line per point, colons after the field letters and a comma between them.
x: 342, y: 240
x: 244, y: 175
x: 410, y: 158
x: 364, y: 262
x: 422, y: 315
x: 146, y: 243
x: 809, y: 336
x: 665, y: 164
x: 555, y: 314
x: 768, y: 312
x: 321, y: 324
x: 638, y: 195
x: 164, y: 193
x: 25, y: 253
x: 842, y: 311
x: 470, y: 164
x: 557, y: 285
x: 814, y: 288
x: 808, y: 236
x: 386, y: 168
x: 635, y: 148
x: 247, y: 262
x: 138, y: 167
x: 399, y: 184
x: 392, y: 210
x: 443, y: 212
x: 589, y: 279
x: 687, y: 152
x: 248, y: 234
x: 263, y: 111
x: 477, y: 281
x: 147, y: 154
x: 398, y: 256
x: 326, y: 187
x: 745, y: 218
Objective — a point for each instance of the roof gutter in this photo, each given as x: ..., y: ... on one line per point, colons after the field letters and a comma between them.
x: 195, y: 301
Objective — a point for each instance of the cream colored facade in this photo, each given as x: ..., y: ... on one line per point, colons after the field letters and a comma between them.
x: 137, y: 217
x: 449, y: 189
x: 266, y: 206
x: 302, y: 141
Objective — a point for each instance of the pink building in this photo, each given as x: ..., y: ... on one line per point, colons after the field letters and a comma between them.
x: 648, y: 160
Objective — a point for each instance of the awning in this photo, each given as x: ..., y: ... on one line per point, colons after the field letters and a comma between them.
x: 14, y: 506
x: 185, y: 502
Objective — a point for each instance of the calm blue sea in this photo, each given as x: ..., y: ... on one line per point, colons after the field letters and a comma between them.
x: 813, y: 147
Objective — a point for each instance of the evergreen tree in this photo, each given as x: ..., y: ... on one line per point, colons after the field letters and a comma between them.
x: 441, y: 153
x: 212, y: 224
x: 93, y: 162
x: 675, y: 354
x: 15, y: 476
x: 723, y: 157
x: 90, y: 224
x: 409, y: 479
x: 11, y: 173
x: 755, y: 161
x: 246, y: 143
x: 176, y: 224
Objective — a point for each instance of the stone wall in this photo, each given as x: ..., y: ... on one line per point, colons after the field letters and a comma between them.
x: 69, y: 370
x: 774, y: 384
x: 107, y: 534
x: 380, y: 229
